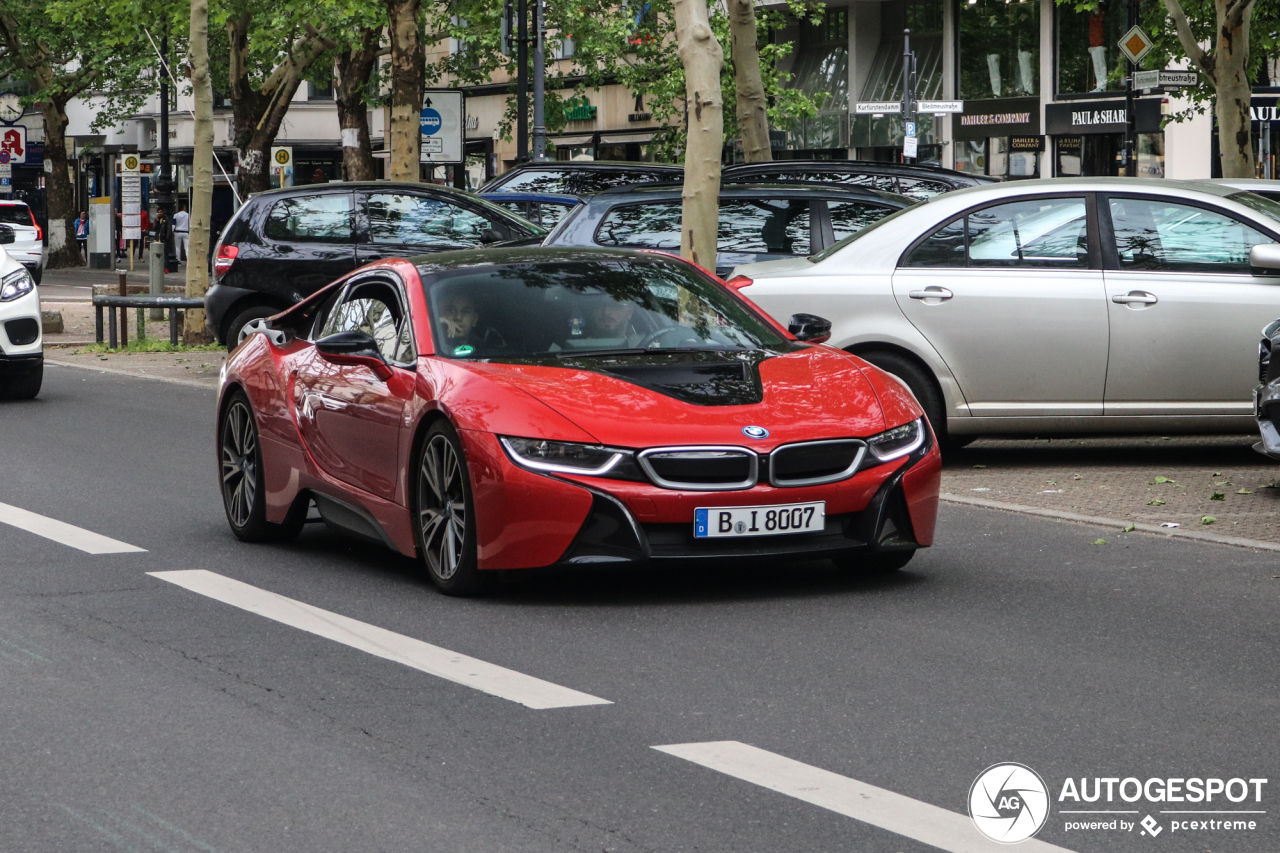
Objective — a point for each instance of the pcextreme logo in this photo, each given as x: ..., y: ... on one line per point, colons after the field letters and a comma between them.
x: 1010, y: 802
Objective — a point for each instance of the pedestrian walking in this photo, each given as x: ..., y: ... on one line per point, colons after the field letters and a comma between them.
x: 144, y: 221
x: 82, y: 235
x: 181, y: 231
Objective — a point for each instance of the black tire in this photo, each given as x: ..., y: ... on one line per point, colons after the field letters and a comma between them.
x: 37, y: 274
x: 244, y: 318
x: 921, y: 383
x: 874, y: 564
x: 243, y: 482
x: 23, y: 384
x: 441, y: 491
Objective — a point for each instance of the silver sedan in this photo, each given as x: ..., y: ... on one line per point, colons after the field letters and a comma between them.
x: 1052, y: 306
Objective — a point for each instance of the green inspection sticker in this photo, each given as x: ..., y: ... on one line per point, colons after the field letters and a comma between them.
x: 463, y: 350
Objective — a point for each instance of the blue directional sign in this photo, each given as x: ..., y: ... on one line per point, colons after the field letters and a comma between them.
x: 430, y: 122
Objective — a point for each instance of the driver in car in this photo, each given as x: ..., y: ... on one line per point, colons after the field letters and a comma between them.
x: 460, y: 320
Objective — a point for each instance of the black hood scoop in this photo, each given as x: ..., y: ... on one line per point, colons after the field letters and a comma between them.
x: 711, y: 378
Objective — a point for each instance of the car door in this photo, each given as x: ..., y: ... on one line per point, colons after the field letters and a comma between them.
x: 307, y: 242
x: 405, y: 223
x: 352, y: 421
x: 1185, y: 307
x: 1011, y: 296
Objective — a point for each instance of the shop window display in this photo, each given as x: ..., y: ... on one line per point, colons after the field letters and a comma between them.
x: 999, y: 49
x: 1089, y: 57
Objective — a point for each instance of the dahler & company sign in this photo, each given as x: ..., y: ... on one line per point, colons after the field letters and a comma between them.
x: 998, y: 117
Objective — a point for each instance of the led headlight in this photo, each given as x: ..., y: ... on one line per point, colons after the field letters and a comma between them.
x: 565, y: 457
x: 897, y: 442
x: 15, y: 284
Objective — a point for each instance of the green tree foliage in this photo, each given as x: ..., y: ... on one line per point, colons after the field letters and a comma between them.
x: 631, y: 44
x: 62, y: 50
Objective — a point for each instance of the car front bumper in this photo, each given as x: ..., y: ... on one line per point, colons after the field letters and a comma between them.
x: 21, y: 336
x: 529, y: 520
x: 1266, y: 408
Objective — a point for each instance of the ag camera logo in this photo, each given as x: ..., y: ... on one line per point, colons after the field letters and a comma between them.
x: 1009, y: 802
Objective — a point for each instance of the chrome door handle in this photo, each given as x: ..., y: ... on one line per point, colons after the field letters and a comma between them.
x: 931, y: 293
x: 1138, y: 296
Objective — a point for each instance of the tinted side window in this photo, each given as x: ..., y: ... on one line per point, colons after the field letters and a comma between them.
x: 944, y: 248
x: 373, y: 308
x: 418, y: 221
x: 1038, y: 233
x: 519, y: 208
x: 850, y: 217
x: 922, y: 188
x: 773, y: 226
x: 582, y: 182
x: 652, y: 226
x: 1158, y: 235
x: 324, y: 218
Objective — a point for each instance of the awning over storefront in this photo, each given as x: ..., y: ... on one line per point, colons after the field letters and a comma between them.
x: 1082, y: 118
x: 624, y: 138
x: 569, y: 141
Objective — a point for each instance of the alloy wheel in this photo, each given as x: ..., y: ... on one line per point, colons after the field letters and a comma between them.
x: 239, y: 463
x: 442, y: 509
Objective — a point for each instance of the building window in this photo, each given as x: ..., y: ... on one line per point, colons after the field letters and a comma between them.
x: 1089, y: 57
x: 320, y: 92
x: 999, y: 48
x: 822, y: 72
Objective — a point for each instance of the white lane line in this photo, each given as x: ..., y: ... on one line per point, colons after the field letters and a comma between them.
x: 467, y: 671
x: 63, y: 533
x: 902, y: 815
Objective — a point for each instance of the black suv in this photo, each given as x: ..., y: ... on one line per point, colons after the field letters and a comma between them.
x: 580, y: 178
x: 918, y: 182
x: 284, y: 245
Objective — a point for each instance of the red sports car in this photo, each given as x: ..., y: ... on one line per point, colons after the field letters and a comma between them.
x: 517, y: 408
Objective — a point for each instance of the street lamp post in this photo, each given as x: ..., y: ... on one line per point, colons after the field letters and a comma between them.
x: 164, y: 184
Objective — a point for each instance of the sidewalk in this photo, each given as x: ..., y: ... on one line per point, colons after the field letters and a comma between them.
x: 76, y: 284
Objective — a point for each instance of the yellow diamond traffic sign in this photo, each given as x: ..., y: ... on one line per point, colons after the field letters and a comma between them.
x: 1135, y: 44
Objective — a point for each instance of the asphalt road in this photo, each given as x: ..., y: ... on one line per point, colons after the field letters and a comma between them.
x: 138, y: 715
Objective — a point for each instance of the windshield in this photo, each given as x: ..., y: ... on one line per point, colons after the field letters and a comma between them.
x: 1262, y: 204
x: 858, y: 235
x: 582, y: 307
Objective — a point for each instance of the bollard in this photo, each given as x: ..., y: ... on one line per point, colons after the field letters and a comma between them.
x: 155, y: 270
x: 124, y: 312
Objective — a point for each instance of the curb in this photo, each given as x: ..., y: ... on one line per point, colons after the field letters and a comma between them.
x: 190, y: 383
x: 1172, y: 533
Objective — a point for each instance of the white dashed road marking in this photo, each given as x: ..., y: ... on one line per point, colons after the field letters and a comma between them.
x: 63, y: 533
x: 923, y: 822
x: 467, y: 671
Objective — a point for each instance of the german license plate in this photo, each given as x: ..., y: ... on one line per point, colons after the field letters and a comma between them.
x: 728, y: 521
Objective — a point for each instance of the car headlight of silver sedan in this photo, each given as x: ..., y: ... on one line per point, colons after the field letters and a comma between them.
x: 564, y: 457
x: 15, y: 285
x: 897, y: 442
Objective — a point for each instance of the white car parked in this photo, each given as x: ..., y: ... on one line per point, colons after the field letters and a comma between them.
x: 21, y: 338
x: 27, y: 247
x: 1052, y: 306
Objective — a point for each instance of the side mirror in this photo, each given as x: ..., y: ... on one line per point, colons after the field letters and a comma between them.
x: 809, y: 328
x: 491, y: 235
x: 1265, y: 256
x: 354, y: 348
x: 6, y: 234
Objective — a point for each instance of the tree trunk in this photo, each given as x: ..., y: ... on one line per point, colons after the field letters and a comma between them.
x: 1231, y: 60
x: 194, y: 330
x: 753, y: 116
x: 703, y: 60
x: 59, y: 194
x: 353, y: 68
x: 257, y: 113
x: 407, y: 61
